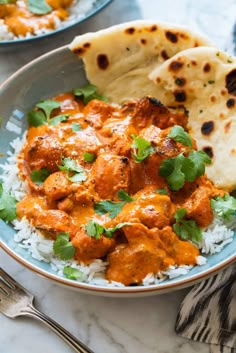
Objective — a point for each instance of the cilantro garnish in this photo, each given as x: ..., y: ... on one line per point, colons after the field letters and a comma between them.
x: 88, y: 93
x: 224, y: 206
x: 176, y: 171
x: 162, y: 191
x: 95, y: 230
x: 71, y: 166
x: 179, y: 169
x: 58, y: 119
x: 178, y: 134
x: 62, y: 247
x: 38, y: 7
x: 113, y: 208
x: 7, y: 206
x: 42, y: 116
x: 76, y: 127
x: 143, y: 148
x: 72, y: 273
x: 38, y: 176
x: 186, y: 229
x: 199, y: 158
x: 123, y: 196
x: 89, y: 157
x: 1, y: 118
x: 3, y: 2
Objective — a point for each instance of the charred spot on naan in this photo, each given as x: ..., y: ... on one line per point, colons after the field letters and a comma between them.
x: 230, y: 82
x: 209, y: 151
x: 164, y: 54
x: 173, y: 37
x: 102, y: 61
x: 175, y: 65
x: 207, y: 127
x: 130, y: 30
x: 207, y: 67
x: 81, y: 50
x: 180, y: 81
x: 180, y: 96
x: 230, y: 103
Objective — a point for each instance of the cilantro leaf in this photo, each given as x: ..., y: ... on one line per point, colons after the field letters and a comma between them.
x: 179, y: 169
x: 62, y: 247
x: 189, y: 170
x: 224, y: 206
x: 7, y: 206
x: 89, y: 157
x: 36, y: 118
x: 94, y: 229
x: 41, y: 117
x: 186, y: 229
x: 38, y: 7
x: 143, y: 148
x: 113, y: 208
x: 38, y: 176
x: 48, y: 106
x: 88, y: 93
x: 72, y: 273
x: 3, y: 2
x: 58, y: 119
x: 109, y: 231
x: 71, y: 166
x: 76, y: 127
x: 178, y: 134
x: 170, y: 168
x: 106, y: 206
x: 199, y: 158
x: 123, y: 196
x: 162, y: 191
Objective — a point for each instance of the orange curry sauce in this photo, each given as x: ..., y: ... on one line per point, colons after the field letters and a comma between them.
x: 149, y: 244
x: 21, y: 21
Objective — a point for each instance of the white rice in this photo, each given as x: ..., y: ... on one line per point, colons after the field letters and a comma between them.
x: 77, y: 11
x: 214, y: 238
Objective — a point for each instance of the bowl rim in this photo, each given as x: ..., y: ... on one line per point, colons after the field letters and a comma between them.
x: 151, y: 289
x: 101, y: 289
x: 91, y: 13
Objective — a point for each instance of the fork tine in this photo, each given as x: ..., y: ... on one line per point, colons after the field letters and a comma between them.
x: 8, y: 280
x: 4, y: 288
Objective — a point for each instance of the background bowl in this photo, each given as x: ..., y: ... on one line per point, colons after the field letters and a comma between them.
x: 53, y: 73
x: 97, y: 6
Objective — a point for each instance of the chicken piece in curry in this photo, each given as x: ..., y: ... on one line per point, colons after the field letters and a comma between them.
x: 21, y: 20
x: 101, y: 184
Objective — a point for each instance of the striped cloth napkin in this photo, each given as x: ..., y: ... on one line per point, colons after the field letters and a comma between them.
x: 208, y: 312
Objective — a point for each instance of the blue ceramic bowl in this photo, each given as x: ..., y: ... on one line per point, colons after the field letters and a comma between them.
x: 58, y: 71
x: 97, y: 6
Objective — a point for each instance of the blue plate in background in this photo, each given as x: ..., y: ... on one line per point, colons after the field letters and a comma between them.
x: 97, y: 6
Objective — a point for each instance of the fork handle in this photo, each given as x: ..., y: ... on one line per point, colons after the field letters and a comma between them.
x: 77, y: 345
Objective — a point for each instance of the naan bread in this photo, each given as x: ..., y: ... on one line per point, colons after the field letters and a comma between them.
x: 204, y: 81
x: 118, y: 59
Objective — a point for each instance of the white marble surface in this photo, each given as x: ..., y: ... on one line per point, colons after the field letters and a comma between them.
x: 108, y: 325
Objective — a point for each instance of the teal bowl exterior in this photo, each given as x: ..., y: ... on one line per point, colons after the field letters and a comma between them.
x: 59, y: 71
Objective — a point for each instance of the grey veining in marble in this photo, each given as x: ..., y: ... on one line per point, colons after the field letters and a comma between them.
x: 109, y: 325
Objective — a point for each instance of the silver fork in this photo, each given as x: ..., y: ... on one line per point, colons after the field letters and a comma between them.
x: 17, y: 301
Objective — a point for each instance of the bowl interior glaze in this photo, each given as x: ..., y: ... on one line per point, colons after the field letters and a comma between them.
x: 53, y: 73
